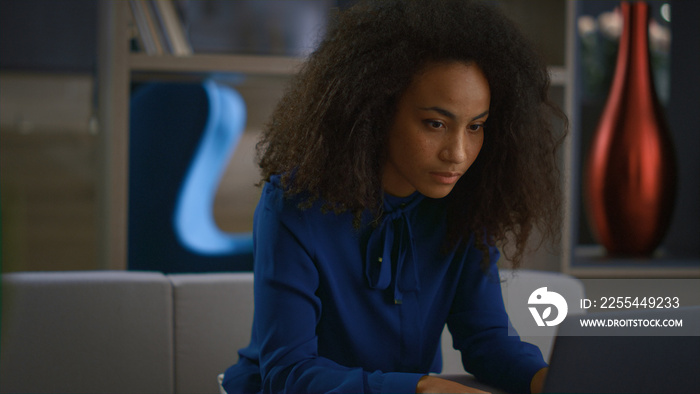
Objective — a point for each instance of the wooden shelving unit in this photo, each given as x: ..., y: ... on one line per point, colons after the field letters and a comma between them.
x: 117, y: 66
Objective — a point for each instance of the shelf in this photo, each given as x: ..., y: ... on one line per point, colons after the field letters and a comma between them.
x: 633, y: 272
x: 559, y: 76
x: 591, y: 262
x: 249, y: 64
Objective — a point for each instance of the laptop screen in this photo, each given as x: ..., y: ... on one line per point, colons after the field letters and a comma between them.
x: 618, y: 363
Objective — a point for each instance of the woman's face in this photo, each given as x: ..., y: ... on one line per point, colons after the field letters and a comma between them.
x: 438, y: 130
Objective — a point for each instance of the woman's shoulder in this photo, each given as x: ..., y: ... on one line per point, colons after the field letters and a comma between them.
x: 278, y: 187
x: 275, y: 197
x: 293, y: 206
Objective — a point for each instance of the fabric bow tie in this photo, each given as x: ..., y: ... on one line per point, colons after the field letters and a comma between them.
x: 392, y: 241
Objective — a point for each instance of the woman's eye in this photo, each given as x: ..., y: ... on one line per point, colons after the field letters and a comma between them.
x: 475, y: 127
x: 435, y: 124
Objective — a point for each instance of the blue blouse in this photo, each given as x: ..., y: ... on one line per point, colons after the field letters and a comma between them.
x: 342, y: 309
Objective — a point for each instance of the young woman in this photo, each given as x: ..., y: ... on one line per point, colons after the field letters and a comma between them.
x: 415, y: 139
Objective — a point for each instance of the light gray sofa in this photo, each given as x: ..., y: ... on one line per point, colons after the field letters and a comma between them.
x: 145, y: 332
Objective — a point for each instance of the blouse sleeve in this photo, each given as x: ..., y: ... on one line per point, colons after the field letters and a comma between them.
x: 480, y: 329
x: 287, y: 310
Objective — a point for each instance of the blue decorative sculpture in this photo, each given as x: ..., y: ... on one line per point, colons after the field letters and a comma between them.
x: 182, y: 136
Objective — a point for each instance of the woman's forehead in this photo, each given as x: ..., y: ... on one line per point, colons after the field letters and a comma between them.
x: 454, y: 89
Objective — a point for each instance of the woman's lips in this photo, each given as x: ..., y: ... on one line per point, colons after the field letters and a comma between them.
x: 446, y: 178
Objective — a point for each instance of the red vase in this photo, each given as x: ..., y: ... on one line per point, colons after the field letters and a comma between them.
x: 631, y: 168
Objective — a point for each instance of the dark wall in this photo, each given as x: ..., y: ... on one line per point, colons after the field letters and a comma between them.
x: 684, y: 120
x: 48, y: 35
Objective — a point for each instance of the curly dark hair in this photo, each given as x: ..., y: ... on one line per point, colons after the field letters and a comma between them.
x: 328, y: 134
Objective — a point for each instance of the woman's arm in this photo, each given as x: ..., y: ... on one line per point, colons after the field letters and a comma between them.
x: 537, y: 383
x: 433, y: 384
x: 481, y: 330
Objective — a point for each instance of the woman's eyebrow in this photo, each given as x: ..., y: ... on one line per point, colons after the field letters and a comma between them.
x: 450, y: 115
x: 481, y: 115
x: 441, y: 111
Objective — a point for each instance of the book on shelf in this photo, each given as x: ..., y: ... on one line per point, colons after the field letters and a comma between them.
x: 135, y: 40
x: 159, y: 27
x: 172, y: 27
x: 155, y: 26
x: 148, y: 35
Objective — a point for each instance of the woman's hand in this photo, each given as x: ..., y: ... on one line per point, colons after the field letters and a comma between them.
x: 537, y: 382
x: 432, y: 384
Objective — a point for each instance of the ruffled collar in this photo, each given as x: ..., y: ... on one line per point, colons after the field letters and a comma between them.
x: 391, y: 249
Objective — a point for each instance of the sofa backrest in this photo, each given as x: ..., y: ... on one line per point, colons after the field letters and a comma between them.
x: 86, y: 332
x: 145, y: 332
x: 213, y: 320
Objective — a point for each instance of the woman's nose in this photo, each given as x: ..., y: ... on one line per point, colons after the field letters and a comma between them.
x: 455, y: 148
